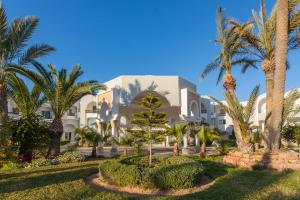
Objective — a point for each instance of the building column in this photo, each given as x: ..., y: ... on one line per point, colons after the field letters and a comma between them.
x: 197, y: 144
x: 99, y: 130
x: 167, y: 142
x: 114, y: 134
x: 185, y: 149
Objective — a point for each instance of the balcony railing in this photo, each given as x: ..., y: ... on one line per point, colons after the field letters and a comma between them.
x: 203, y: 111
x: 91, y: 111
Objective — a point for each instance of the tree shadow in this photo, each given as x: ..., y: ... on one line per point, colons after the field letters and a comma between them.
x: 36, y: 170
x: 238, y: 184
x: 22, y: 183
x: 134, y: 89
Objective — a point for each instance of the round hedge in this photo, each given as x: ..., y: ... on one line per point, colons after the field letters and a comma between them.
x: 175, y: 172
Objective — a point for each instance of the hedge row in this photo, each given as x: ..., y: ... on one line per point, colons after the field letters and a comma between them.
x: 170, y: 172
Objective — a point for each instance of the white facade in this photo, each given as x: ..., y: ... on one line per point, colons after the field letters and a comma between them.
x: 180, y: 101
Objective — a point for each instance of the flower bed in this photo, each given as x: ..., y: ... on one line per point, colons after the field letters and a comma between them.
x: 165, y: 173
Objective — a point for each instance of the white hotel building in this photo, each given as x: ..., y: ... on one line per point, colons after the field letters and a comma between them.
x: 180, y: 101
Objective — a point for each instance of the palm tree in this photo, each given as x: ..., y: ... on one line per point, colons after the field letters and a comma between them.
x: 14, y: 51
x: 207, y: 134
x: 282, y: 20
x: 231, y: 54
x: 242, y: 114
x: 93, y: 138
x: 177, y: 131
x: 28, y: 102
x: 62, y: 91
x: 261, y: 45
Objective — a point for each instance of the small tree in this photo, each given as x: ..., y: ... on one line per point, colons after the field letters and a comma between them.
x: 292, y: 133
x: 177, y: 131
x: 149, y: 119
x: 29, y: 133
x: 91, y: 135
x: 205, y: 135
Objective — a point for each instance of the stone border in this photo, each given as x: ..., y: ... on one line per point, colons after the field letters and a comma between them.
x: 95, y: 182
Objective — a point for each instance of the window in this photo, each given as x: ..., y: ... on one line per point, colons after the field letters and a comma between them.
x: 71, y: 113
x: 94, y: 109
x: 222, y: 121
x: 46, y: 114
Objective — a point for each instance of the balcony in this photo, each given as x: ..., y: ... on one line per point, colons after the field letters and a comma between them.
x: 91, y: 111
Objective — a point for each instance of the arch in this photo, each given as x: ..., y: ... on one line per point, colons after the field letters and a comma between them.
x: 262, y: 105
x: 137, y: 99
x: 203, y: 108
x: 91, y: 107
x: 194, y: 109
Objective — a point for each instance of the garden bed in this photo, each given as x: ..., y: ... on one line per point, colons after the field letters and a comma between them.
x: 258, y: 160
x: 165, y: 172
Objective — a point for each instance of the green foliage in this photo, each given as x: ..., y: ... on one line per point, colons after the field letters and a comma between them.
x: 66, y: 157
x: 177, y: 131
x: 208, y: 135
x: 148, y: 120
x: 241, y: 113
x: 165, y: 173
x: 29, y: 133
x: 64, y: 142
x: 42, y: 162
x: 70, y: 156
x: 28, y: 101
x: 292, y: 133
x: 9, y: 166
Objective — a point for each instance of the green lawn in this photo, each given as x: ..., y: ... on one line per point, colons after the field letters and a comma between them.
x: 66, y: 182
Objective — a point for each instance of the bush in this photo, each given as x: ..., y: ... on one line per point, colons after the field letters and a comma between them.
x: 9, y: 166
x: 165, y: 173
x: 70, y: 156
x: 121, y: 174
x: 185, y: 175
x: 42, y: 162
x: 64, y: 142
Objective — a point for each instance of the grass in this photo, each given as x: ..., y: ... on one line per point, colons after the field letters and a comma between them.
x: 66, y: 182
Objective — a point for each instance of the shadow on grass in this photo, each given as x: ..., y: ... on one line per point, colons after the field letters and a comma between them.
x: 239, y: 184
x: 22, y: 183
x: 55, y: 168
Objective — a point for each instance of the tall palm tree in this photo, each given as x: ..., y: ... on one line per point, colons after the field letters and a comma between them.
x: 242, y: 114
x: 15, y: 51
x: 62, y: 91
x: 28, y: 101
x: 261, y: 45
x: 282, y: 20
x: 231, y: 54
x: 207, y: 134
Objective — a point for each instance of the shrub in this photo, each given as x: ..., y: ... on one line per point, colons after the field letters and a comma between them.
x: 165, y: 173
x: 42, y: 162
x: 64, y: 142
x: 185, y: 175
x: 121, y: 174
x: 70, y: 156
x: 9, y: 166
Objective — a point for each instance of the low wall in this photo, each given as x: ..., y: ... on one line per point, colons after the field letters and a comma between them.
x: 278, y: 161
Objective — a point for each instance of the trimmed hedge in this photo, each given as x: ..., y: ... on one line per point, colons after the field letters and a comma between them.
x: 167, y: 172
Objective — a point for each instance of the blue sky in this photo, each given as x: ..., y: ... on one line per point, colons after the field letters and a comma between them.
x: 126, y: 37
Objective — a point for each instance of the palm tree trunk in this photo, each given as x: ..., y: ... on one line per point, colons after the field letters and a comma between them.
x: 269, y: 73
x: 203, y: 149
x: 3, y: 107
x: 94, y: 149
x: 56, y: 130
x: 230, y: 85
x: 176, y: 149
x: 280, y: 59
